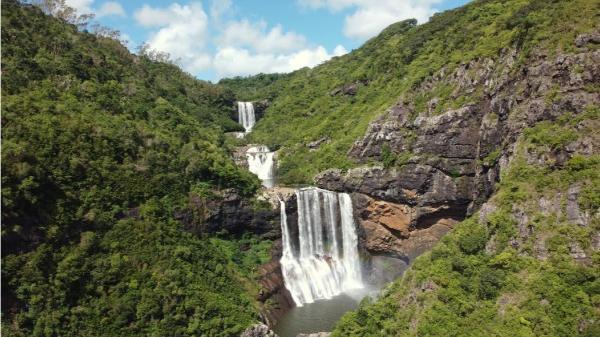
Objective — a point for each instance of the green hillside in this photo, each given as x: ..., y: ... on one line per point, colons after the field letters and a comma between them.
x: 516, y: 269
x: 100, y: 148
x: 390, y: 67
x: 108, y: 156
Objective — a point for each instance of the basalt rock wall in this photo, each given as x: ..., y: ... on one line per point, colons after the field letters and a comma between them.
x: 443, y: 163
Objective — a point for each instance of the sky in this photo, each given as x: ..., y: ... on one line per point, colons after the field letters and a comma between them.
x: 212, y: 39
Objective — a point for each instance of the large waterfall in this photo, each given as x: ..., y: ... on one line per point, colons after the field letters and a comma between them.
x: 246, y: 115
x: 261, y: 163
x: 320, y: 259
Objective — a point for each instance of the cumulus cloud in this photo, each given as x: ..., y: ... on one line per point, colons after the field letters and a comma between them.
x: 231, y: 61
x: 106, y: 9
x: 110, y: 8
x: 257, y: 36
x: 205, y: 42
x: 182, y: 33
x: 247, y: 48
x: 369, y: 17
x: 82, y: 6
x: 148, y: 16
x: 220, y: 8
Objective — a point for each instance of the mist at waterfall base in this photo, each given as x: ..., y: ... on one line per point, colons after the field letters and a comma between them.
x: 261, y: 162
x: 320, y: 262
x: 321, y: 315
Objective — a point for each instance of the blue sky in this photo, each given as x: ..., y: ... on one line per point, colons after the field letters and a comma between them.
x: 222, y: 38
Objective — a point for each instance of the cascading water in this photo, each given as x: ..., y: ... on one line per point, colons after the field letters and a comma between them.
x: 323, y: 260
x: 246, y: 116
x: 261, y: 162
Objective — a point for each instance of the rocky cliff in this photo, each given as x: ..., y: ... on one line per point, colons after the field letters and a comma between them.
x: 442, y: 164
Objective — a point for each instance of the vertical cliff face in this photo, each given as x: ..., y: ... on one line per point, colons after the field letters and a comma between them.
x: 442, y: 164
x: 521, y: 153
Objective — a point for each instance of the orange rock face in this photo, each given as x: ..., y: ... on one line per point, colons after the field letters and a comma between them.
x: 395, y: 217
x: 393, y: 229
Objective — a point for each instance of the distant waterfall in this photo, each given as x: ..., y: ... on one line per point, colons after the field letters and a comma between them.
x: 246, y: 115
x: 261, y: 163
x: 322, y: 261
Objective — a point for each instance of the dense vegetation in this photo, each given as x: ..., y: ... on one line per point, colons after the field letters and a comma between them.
x: 390, y: 67
x: 495, y: 276
x: 100, y: 148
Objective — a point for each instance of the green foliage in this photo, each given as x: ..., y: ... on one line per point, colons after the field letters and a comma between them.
x: 472, y: 240
x: 393, y: 65
x: 387, y: 157
x: 553, y: 135
x: 247, y: 253
x: 100, y: 148
x: 492, y: 277
x: 141, y: 277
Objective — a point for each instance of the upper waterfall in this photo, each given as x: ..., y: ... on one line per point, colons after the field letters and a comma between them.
x: 261, y: 162
x: 246, y: 115
x: 320, y: 259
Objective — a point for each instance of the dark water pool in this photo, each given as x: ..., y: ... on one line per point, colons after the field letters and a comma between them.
x: 320, y: 315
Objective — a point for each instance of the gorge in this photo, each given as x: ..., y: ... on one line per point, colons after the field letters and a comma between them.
x: 442, y: 179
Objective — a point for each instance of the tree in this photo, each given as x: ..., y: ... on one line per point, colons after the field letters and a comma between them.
x: 59, y: 9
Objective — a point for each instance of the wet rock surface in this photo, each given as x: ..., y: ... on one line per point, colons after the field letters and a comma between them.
x: 272, y: 288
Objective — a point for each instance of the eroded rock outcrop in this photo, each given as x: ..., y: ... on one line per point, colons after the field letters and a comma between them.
x: 258, y: 330
x: 446, y: 159
x: 229, y: 213
x: 392, y: 229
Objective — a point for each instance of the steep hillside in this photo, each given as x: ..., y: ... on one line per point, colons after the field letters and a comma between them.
x: 101, y: 151
x: 337, y: 100
x: 482, y: 123
x: 527, y: 264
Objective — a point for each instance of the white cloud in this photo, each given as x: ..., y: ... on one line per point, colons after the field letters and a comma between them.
x: 247, y: 48
x: 148, y: 16
x: 182, y: 34
x: 256, y: 36
x: 230, y: 61
x: 369, y: 17
x: 111, y: 8
x: 241, y: 47
x: 220, y: 8
x: 106, y: 9
x: 82, y: 6
x: 339, y: 50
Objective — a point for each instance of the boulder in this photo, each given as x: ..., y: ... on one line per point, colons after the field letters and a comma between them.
x: 258, y: 330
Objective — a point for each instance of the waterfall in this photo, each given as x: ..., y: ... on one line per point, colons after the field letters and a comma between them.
x: 246, y: 115
x: 325, y: 260
x: 261, y: 163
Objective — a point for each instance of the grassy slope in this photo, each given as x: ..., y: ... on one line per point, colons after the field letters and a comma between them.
x: 480, y: 280
x: 92, y: 133
x: 394, y: 63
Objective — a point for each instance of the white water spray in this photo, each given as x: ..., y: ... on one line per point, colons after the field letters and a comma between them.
x: 325, y: 261
x: 261, y: 162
